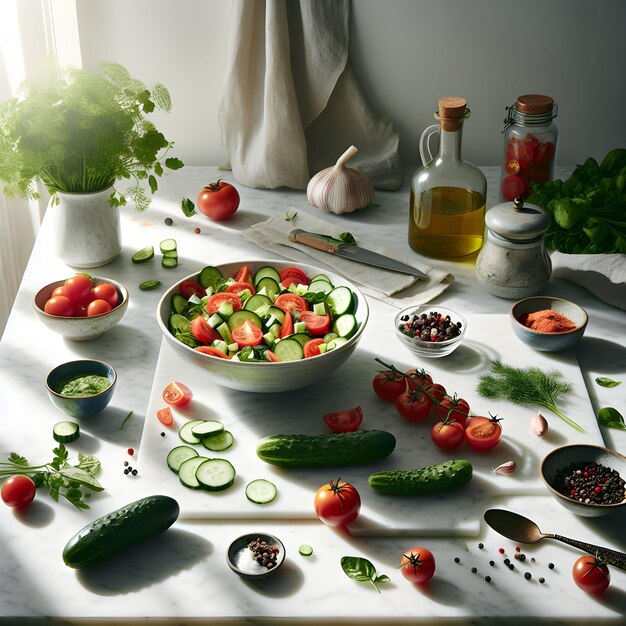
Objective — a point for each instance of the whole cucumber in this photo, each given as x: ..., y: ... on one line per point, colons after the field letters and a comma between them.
x: 426, y: 480
x: 354, y: 448
x: 120, y: 529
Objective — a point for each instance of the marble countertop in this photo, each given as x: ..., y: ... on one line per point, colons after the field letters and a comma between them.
x: 182, y: 577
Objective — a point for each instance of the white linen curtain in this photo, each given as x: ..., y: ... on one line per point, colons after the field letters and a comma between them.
x: 291, y: 104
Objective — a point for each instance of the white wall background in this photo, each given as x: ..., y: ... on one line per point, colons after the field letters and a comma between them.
x: 407, y: 53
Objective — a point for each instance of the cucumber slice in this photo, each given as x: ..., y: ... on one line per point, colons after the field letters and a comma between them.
x: 239, y: 317
x: 266, y: 270
x: 288, y: 350
x: 171, y: 253
x: 179, y: 323
x: 66, y: 432
x: 320, y: 277
x: 339, y: 301
x: 215, y: 475
x: 269, y: 286
x: 337, y: 342
x: 345, y: 325
x: 167, y: 245
x: 218, y: 443
x: 224, y: 332
x: 305, y: 550
x: 301, y: 338
x: 185, y: 432
x: 207, y: 428
x: 261, y: 491
x: 169, y: 262
x: 148, y: 285
x: 257, y: 303
x: 210, y: 277
x: 277, y: 313
x: 143, y: 255
x: 179, y: 304
x: 187, y: 471
x: 178, y: 455
x: 320, y: 286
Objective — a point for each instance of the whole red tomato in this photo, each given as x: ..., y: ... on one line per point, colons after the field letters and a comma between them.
x: 590, y: 575
x: 218, y: 200
x: 454, y: 408
x: 337, y: 503
x: 413, y: 405
x: 18, y: 491
x: 389, y: 385
x: 447, y: 434
x: 418, y: 565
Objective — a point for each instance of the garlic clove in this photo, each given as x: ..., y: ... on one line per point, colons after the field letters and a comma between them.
x: 506, y: 469
x: 538, y: 425
x: 340, y: 189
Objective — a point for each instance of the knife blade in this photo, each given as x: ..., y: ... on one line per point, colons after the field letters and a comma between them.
x: 351, y: 251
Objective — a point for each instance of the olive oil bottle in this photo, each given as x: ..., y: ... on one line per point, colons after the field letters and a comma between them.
x: 448, y: 194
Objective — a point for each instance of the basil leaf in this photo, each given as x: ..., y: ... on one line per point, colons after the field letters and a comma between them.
x: 76, y: 475
x: 612, y: 418
x: 358, y: 568
x: 607, y: 382
x: 188, y: 207
x: 383, y: 578
x: 89, y: 463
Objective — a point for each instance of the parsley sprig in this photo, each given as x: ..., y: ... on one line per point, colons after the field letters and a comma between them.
x: 61, y: 479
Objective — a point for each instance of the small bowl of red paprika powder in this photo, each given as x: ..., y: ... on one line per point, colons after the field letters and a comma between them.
x: 547, y: 323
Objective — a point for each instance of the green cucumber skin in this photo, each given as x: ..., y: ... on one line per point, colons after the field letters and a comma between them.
x: 426, y: 480
x: 353, y: 448
x: 119, y: 530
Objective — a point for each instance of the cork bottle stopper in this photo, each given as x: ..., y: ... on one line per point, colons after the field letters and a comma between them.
x: 451, y: 112
x: 534, y: 104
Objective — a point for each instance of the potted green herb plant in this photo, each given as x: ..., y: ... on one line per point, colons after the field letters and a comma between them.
x: 78, y: 133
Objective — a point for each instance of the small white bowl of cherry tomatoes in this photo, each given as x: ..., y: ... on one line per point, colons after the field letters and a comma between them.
x: 81, y: 307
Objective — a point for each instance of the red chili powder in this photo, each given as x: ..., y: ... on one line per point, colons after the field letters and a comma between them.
x: 547, y: 321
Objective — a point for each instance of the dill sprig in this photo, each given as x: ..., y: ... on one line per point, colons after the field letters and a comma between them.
x: 526, y: 386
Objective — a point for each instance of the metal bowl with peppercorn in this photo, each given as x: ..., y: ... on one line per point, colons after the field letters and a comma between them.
x: 587, y: 480
x: 430, y: 331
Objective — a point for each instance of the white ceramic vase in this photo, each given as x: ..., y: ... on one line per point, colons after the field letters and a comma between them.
x: 87, y: 229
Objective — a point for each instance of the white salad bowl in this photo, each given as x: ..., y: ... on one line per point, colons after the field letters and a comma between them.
x: 266, y: 377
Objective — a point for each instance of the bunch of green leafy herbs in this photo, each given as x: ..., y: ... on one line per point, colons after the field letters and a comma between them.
x: 58, y: 476
x: 589, y: 209
x: 77, y: 131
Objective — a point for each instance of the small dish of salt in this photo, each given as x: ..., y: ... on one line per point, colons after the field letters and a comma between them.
x: 255, y: 555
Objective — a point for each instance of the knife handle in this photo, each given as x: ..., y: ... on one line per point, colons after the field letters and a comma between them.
x: 313, y: 240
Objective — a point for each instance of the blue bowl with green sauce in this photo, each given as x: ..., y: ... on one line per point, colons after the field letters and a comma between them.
x: 81, y: 388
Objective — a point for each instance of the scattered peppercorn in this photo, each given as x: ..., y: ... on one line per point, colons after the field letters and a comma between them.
x: 197, y: 230
x: 507, y: 561
x: 527, y: 575
x: 520, y: 557
x: 474, y: 570
x: 262, y: 553
x: 126, y: 471
x: 532, y: 559
x: 433, y: 327
x: 457, y: 559
x: 162, y: 434
x: 168, y: 221
x: 492, y: 563
x: 591, y: 483
x: 134, y: 472
x: 542, y: 580
x: 125, y: 463
x: 511, y: 566
x: 130, y: 452
x: 518, y: 549
x: 550, y: 565
x: 481, y: 546
x: 488, y: 579
x: 501, y: 550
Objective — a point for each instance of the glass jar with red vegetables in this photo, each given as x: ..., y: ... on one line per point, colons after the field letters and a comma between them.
x: 530, y: 144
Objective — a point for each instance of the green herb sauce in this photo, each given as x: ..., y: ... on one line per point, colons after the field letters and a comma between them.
x: 84, y: 386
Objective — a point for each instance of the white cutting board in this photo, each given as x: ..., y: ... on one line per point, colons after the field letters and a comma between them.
x: 251, y: 416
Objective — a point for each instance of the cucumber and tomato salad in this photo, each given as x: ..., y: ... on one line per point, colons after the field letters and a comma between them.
x: 270, y: 315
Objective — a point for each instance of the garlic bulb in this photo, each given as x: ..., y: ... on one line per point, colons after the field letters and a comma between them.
x: 538, y: 425
x: 340, y: 189
x: 507, y: 469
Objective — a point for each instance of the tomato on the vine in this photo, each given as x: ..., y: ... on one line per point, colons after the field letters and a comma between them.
x: 218, y: 200
x: 454, y: 408
x: 18, y: 491
x: 413, y: 405
x: 447, y: 434
x: 177, y: 394
x: 389, y: 385
x: 345, y: 421
x: 437, y: 391
x: 591, y: 575
x: 483, y: 433
x: 418, y: 565
x: 418, y: 378
x: 337, y: 503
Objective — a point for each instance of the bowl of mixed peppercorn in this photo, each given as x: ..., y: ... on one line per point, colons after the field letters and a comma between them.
x: 587, y: 480
x: 430, y: 331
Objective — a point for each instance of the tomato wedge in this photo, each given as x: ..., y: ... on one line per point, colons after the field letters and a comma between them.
x: 291, y: 302
x: 289, y: 275
x: 165, y: 416
x: 177, y: 394
x: 312, y: 347
x: 287, y: 327
x: 243, y: 275
x: 238, y: 287
x: 190, y: 287
x: 270, y: 356
x: 210, y: 350
x: 202, y: 330
x: 345, y: 421
x: 248, y: 334
x: 217, y: 299
x: 315, y: 324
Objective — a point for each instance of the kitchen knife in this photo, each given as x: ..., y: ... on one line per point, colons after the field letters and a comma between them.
x: 351, y: 251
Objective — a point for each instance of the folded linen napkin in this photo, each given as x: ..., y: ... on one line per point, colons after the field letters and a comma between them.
x: 400, y: 290
x: 604, y: 275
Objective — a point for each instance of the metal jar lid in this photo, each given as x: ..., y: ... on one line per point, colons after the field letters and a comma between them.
x: 517, y: 222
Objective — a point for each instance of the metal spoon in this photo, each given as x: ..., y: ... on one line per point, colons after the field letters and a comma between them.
x: 520, y: 528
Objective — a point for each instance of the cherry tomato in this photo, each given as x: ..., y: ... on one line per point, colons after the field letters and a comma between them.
x: 61, y: 306
x: 437, y: 391
x: 217, y: 299
x: 590, y: 575
x: 346, y: 421
x: 337, y: 503
x: 286, y: 328
x: 243, y: 275
x: 315, y: 324
x: 248, y: 334
x: 389, y: 385
x: 512, y: 187
x: 312, y: 347
x: 177, y: 394
x: 483, y: 433
x: 165, y: 416
x: 98, y: 307
x: 447, y: 434
x: 289, y: 275
x: 291, y: 302
x: 18, y: 491
x: 189, y: 288
x: 105, y: 291
x: 210, y: 350
x: 203, y: 331
x: 239, y: 287
x: 59, y: 291
x: 453, y: 407
x: 418, y: 565
x: 78, y: 289
x: 418, y: 378
x: 218, y: 200
x: 520, y: 151
x: 413, y: 405
x: 80, y: 310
